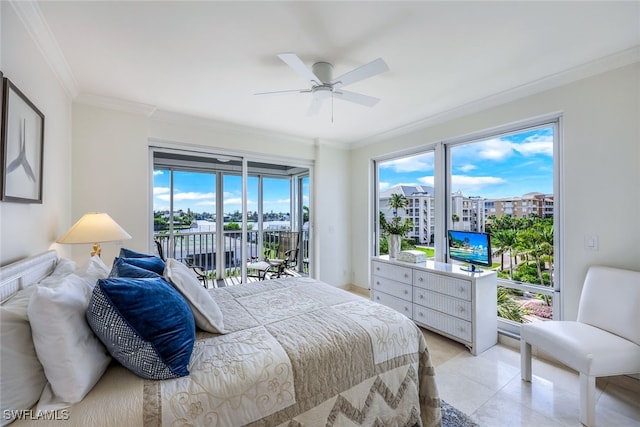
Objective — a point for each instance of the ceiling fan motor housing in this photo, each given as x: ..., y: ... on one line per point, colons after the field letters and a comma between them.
x: 324, y: 71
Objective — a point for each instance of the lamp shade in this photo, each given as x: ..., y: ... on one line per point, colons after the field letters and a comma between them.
x: 94, y: 227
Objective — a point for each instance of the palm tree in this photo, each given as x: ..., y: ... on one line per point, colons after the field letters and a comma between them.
x: 397, y: 201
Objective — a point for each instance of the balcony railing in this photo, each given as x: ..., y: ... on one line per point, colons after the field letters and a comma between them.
x: 201, y: 248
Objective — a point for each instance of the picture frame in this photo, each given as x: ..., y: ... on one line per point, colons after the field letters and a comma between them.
x: 21, y: 147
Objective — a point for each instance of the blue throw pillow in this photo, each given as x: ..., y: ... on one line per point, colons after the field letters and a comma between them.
x: 151, y: 263
x: 128, y: 253
x: 145, y: 325
x: 123, y: 269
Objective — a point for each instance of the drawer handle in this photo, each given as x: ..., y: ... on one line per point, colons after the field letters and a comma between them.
x: 461, y: 309
x: 420, y: 279
x: 406, y: 275
x: 406, y: 308
x: 377, y: 268
x: 377, y: 282
x: 406, y: 292
x: 461, y: 289
x: 420, y: 314
x: 421, y: 296
x: 378, y: 298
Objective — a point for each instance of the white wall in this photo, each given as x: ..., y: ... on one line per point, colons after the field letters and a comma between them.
x: 600, y: 172
x: 331, y: 204
x: 27, y: 229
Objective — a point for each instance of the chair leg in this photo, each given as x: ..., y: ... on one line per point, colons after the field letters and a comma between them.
x: 525, y: 360
x: 587, y: 400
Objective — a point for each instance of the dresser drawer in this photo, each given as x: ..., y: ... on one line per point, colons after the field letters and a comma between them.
x: 402, y: 306
x: 458, y: 288
x: 451, y: 325
x: 391, y: 287
x: 446, y: 304
x: 393, y: 272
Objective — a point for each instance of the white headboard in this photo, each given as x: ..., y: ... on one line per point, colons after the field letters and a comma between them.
x: 23, y: 273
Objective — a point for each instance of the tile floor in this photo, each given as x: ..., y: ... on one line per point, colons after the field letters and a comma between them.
x: 489, y: 389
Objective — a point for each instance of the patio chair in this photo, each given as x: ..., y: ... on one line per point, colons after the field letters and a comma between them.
x: 199, y: 271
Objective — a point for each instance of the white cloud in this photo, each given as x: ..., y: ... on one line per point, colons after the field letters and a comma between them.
x: 421, y: 162
x: 495, y: 149
x: 158, y: 172
x: 535, y: 147
x: 160, y: 190
x: 475, y: 182
x: 426, y: 180
x: 182, y: 196
x: 468, y: 167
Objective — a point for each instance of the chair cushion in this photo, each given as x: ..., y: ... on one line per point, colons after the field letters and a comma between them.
x: 583, y: 347
x: 610, y: 300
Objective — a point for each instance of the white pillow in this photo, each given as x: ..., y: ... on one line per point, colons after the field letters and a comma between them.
x: 22, y: 377
x: 72, y: 356
x: 205, y: 310
x: 94, y: 269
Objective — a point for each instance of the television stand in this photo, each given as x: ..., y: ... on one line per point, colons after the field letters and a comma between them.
x: 444, y: 298
x: 471, y: 269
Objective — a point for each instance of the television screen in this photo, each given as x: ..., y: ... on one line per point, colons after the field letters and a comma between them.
x: 470, y: 247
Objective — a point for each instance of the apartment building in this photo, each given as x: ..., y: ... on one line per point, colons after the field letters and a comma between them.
x: 467, y: 213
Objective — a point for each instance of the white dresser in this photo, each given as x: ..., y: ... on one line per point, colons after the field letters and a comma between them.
x: 440, y: 297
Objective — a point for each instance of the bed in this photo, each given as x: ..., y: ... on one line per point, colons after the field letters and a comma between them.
x: 294, y: 352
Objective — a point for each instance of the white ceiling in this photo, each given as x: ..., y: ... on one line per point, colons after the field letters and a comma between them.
x: 208, y: 58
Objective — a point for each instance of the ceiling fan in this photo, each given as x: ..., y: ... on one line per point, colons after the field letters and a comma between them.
x: 324, y: 86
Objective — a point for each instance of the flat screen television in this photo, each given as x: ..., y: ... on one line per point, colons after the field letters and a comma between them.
x: 470, y: 247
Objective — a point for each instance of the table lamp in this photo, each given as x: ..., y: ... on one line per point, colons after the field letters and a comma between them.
x: 94, y: 227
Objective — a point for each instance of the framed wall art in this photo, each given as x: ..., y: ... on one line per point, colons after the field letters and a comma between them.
x: 22, y: 146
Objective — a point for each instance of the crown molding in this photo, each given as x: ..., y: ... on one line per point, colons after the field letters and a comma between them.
x: 115, y: 104
x: 598, y: 66
x: 31, y: 16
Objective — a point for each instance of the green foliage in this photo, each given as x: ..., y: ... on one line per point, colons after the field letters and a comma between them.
x: 528, y: 245
x: 508, y: 307
x: 396, y: 225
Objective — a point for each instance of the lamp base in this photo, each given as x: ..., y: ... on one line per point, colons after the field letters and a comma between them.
x: 97, y: 250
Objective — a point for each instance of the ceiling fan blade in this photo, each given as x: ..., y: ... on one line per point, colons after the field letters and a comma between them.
x: 365, y: 71
x: 358, y: 98
x: 282, y: 92
x: 293, y: 61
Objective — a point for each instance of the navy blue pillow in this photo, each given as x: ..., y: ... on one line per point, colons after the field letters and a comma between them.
x: 145, y: 324
x: 151, y: 263
x: 123, y: 269
x: 128, y: 253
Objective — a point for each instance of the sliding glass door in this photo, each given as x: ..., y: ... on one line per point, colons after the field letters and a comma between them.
x: 203, y: 202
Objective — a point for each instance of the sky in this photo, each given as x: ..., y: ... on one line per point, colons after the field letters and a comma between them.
x: 507, y: 166
x: 196, y: 191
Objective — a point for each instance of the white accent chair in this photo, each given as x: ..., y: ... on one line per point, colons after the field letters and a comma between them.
x: 605, y: 339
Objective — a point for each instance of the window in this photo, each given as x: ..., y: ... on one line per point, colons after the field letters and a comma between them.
x: 412, y: 179
x: 507, y: 182
x: 503, y: 182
